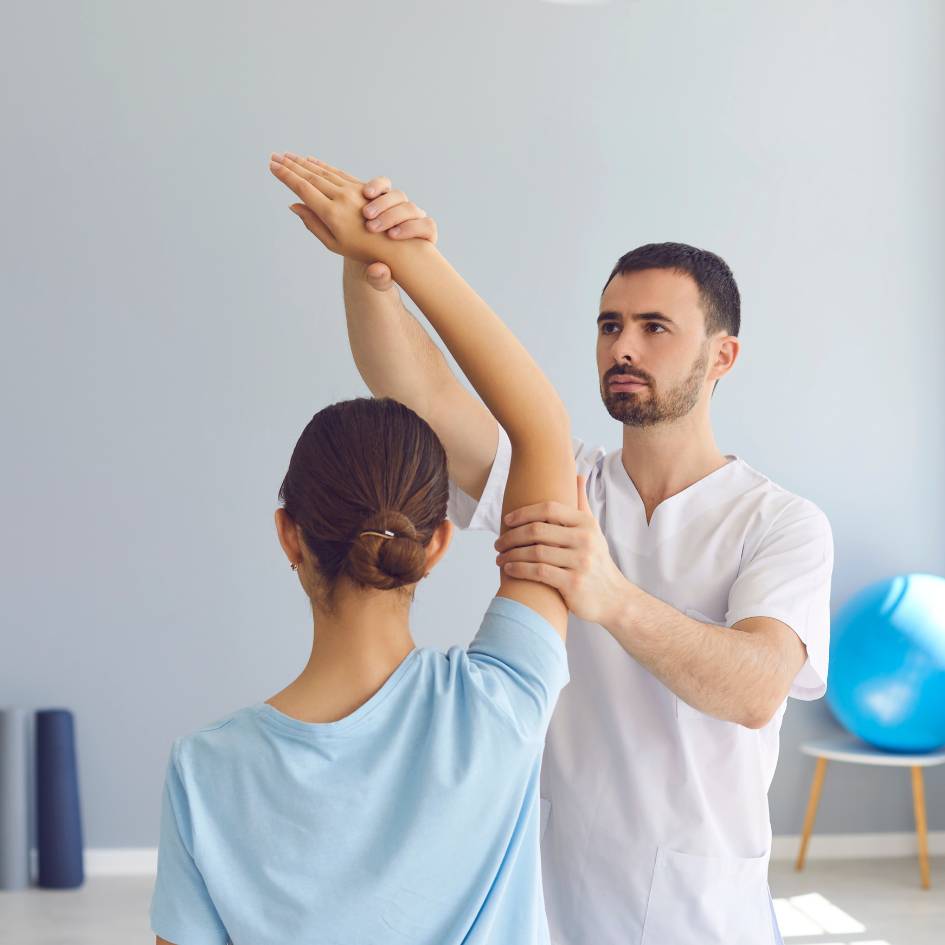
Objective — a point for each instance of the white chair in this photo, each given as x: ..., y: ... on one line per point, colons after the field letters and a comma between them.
x: 850, y: 748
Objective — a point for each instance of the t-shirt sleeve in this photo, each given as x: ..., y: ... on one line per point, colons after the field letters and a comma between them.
x: 518, y: 662
x: 788, y: 578
x: 181, y: 909
x: 486, y: 514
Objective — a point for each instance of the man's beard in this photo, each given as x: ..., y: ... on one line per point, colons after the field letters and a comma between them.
x: 633, y: 410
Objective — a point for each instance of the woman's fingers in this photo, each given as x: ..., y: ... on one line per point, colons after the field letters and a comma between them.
x: 376, y: 186
x: 313, y: 167
x: 398, y: 214
x: 424, y: 229
x: 333, y: 170
x: 315, y: 226
x: 313, y: 191
x: 386, y: 201
x: 330, y: 188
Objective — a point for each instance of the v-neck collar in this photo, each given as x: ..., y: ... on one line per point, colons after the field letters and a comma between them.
x: 675, y: 511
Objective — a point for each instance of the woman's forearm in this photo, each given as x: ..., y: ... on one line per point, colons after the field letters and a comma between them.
x: 497, y: 364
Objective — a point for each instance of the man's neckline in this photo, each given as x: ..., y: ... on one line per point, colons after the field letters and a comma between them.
x: 732, y: 461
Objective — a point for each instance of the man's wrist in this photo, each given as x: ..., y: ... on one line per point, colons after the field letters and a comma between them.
x: 622, y: 615
x: 354, y: 268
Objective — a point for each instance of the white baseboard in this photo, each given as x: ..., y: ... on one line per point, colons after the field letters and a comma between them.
x: 121, y: 861
x: 856, y: 846
x: 142, y: 861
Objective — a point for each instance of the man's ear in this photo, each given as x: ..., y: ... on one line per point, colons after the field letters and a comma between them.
x: 726, y: 357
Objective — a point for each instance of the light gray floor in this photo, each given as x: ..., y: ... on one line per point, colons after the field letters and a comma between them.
x: 882, y: 895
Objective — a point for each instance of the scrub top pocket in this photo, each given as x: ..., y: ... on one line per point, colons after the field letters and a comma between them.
x: 708, y: 900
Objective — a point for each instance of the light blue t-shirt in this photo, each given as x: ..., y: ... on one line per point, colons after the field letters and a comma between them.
x: 415, y: 819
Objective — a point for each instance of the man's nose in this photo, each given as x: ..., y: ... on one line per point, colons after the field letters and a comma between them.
x: 622, y: 351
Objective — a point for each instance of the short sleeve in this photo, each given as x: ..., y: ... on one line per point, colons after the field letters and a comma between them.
x: 788, y: 578
x: 486, y: 514
x: 181, y: 909
x: 520, y: 664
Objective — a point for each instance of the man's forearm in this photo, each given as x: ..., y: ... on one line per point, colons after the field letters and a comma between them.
x: 722, y: 671
x: 385, y: 339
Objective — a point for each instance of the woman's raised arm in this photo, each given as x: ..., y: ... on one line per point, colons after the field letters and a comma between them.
x: 504, y: 374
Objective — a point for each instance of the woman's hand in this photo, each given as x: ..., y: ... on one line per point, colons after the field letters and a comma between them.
x: 331, y: 208
x: 392, y: 212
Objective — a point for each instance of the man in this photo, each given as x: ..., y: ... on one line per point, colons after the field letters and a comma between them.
x: 698, y: 593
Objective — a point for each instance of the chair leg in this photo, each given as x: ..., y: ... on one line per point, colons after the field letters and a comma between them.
x: 921, y: 828
x: 815, y: 789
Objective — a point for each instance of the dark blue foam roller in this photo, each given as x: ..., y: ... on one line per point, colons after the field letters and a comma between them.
x: 58, y: 819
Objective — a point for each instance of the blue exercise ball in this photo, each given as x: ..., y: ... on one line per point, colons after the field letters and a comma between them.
x: 887, y: 663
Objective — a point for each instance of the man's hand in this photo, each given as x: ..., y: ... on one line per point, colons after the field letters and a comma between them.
x: 390, y: 211
x: 565, y: 548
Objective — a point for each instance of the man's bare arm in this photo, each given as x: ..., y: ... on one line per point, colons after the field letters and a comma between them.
x: 740, y: 673
x: 397, y: 358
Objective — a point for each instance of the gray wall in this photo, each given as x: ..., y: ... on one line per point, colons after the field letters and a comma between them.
x: 169, y: 327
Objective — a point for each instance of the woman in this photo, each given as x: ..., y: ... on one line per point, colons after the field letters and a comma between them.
x: 390, y: 793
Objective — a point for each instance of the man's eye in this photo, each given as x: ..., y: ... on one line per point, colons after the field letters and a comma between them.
x: 605, y: 326
x: 655, y: 325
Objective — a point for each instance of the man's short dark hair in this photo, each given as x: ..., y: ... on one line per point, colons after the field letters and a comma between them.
x: 717, y: 289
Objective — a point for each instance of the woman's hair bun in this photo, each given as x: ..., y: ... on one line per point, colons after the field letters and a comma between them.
x: 386, y: 563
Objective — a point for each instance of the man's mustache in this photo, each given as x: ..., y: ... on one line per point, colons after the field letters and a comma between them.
x: 632, y: 374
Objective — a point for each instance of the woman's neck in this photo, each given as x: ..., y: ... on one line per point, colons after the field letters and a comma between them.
x: 354, y: 652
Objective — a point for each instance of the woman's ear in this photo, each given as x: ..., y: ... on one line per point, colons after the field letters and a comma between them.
x: 439, y: 542
x: 287, y: 531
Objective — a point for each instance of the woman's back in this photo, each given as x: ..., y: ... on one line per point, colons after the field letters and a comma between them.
x: 413, y: 819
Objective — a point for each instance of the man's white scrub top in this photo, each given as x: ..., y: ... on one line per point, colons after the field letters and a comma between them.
x: 655, y: 824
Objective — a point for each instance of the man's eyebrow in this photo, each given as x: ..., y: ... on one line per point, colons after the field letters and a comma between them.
x: 637, y: 317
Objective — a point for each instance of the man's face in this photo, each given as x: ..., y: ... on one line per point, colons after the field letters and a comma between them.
x: 651, y: 330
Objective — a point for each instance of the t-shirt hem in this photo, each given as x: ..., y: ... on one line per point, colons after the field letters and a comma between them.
x: 531, y: 620
x: 189, y: 935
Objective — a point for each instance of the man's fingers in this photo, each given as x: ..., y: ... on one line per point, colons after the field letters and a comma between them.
x: 542, y: 573
x: 540, y: 554
x: 378, y: 276
x: 312, y: 195
x: 395, y: 215
x: 424, y: 229
x: 376, y: 186
x: 555, y: 512
x: 535, y: 533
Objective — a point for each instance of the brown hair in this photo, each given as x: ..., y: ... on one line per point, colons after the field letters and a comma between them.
x: 367, y: 463
x: 721, y: 301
